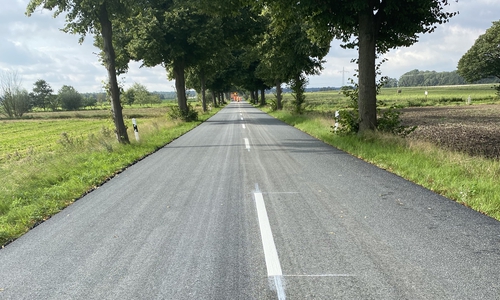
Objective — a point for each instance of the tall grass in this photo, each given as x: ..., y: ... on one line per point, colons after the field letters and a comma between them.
x: 36, y: 186
x: 471, y: 181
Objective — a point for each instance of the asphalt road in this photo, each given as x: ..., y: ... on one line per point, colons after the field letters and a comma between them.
x: 247, y: 207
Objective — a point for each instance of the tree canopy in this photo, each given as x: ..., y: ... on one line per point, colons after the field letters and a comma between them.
x: 373, y: 27
x: 482, y: 60
x: 41, y: 94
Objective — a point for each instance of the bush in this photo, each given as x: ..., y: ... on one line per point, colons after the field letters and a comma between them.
x: 175, y: 113
x: 272, y: 104
x: 14, y: 100
x: 388, y: 120
x: 15, y: 103
x: 69, y: 98
x: 89, y: 102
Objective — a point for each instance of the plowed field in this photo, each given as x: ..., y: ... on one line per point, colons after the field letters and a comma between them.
x: 472, y: 129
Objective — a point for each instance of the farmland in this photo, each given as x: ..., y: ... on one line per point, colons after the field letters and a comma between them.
x: 42, y: 131
x: 407, y: 97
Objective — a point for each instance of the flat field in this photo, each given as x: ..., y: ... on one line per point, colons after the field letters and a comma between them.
x: 407, y: 97
x: 22, y: 138
x: 472, y: 129
x: 45, y: 131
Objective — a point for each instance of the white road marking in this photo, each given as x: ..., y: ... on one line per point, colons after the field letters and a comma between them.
x: 270, y: 253
x: 247, y: 144
x: 322, y: 275
x: 241, y: 118
x: 243, y: 125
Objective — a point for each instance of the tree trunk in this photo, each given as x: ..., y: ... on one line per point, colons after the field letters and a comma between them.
x: 109, y: 61
x: 367, y: 101
x: 203, y: 92
x: 263, y: 96
x: 279, y: 91
x: 180, y: 85
x: 214, y: 99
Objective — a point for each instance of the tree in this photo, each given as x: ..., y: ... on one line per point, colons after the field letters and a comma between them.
x: 95, y: 17
x: 373, y: 27
x: 391, y: 82
x: 175, y: 35
x: 14, y: 100
x: 128, y: 97
x: 41, y: 94
x: 89, y: 101
x: 288, y: 52
x: 220, y: 65
x: 69, y: 98
x: 482, y: 60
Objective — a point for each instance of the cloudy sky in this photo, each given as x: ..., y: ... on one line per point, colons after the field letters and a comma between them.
x: 35, y: 48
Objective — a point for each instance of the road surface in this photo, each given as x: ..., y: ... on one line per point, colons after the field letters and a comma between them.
x: 247, y: 207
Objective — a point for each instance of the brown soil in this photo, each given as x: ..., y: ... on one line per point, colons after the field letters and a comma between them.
x: 471, y: 129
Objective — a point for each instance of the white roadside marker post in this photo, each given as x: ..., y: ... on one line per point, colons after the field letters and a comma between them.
x: 337, y: 114
x: 136, y: 131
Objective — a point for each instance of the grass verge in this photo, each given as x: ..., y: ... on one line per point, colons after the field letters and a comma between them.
x: 471, y: 181
x: 37, y: 186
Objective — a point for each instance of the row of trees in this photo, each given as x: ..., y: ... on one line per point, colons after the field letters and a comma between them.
x: 218, y: 44
x: 432, y: 78
x: 15, y: 101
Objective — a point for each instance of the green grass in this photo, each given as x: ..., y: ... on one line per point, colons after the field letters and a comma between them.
x: 60, y: 168
x: 471, y: 181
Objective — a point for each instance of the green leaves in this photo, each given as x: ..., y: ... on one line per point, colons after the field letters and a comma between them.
x: 483, y: 58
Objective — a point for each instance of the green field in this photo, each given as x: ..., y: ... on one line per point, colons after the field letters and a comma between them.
x: 409, y: 96
x: 23, y: 138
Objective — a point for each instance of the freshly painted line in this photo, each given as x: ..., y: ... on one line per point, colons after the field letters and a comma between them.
x: 247, y: 144
x: 273, y: 265
x: 270, y: 252
x: 243, y: 125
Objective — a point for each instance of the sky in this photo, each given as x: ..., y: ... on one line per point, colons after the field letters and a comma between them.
x: 35, y: 48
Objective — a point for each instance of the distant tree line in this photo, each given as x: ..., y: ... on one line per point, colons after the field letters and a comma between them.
x: 432, y: 78
x: 15, y: 101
